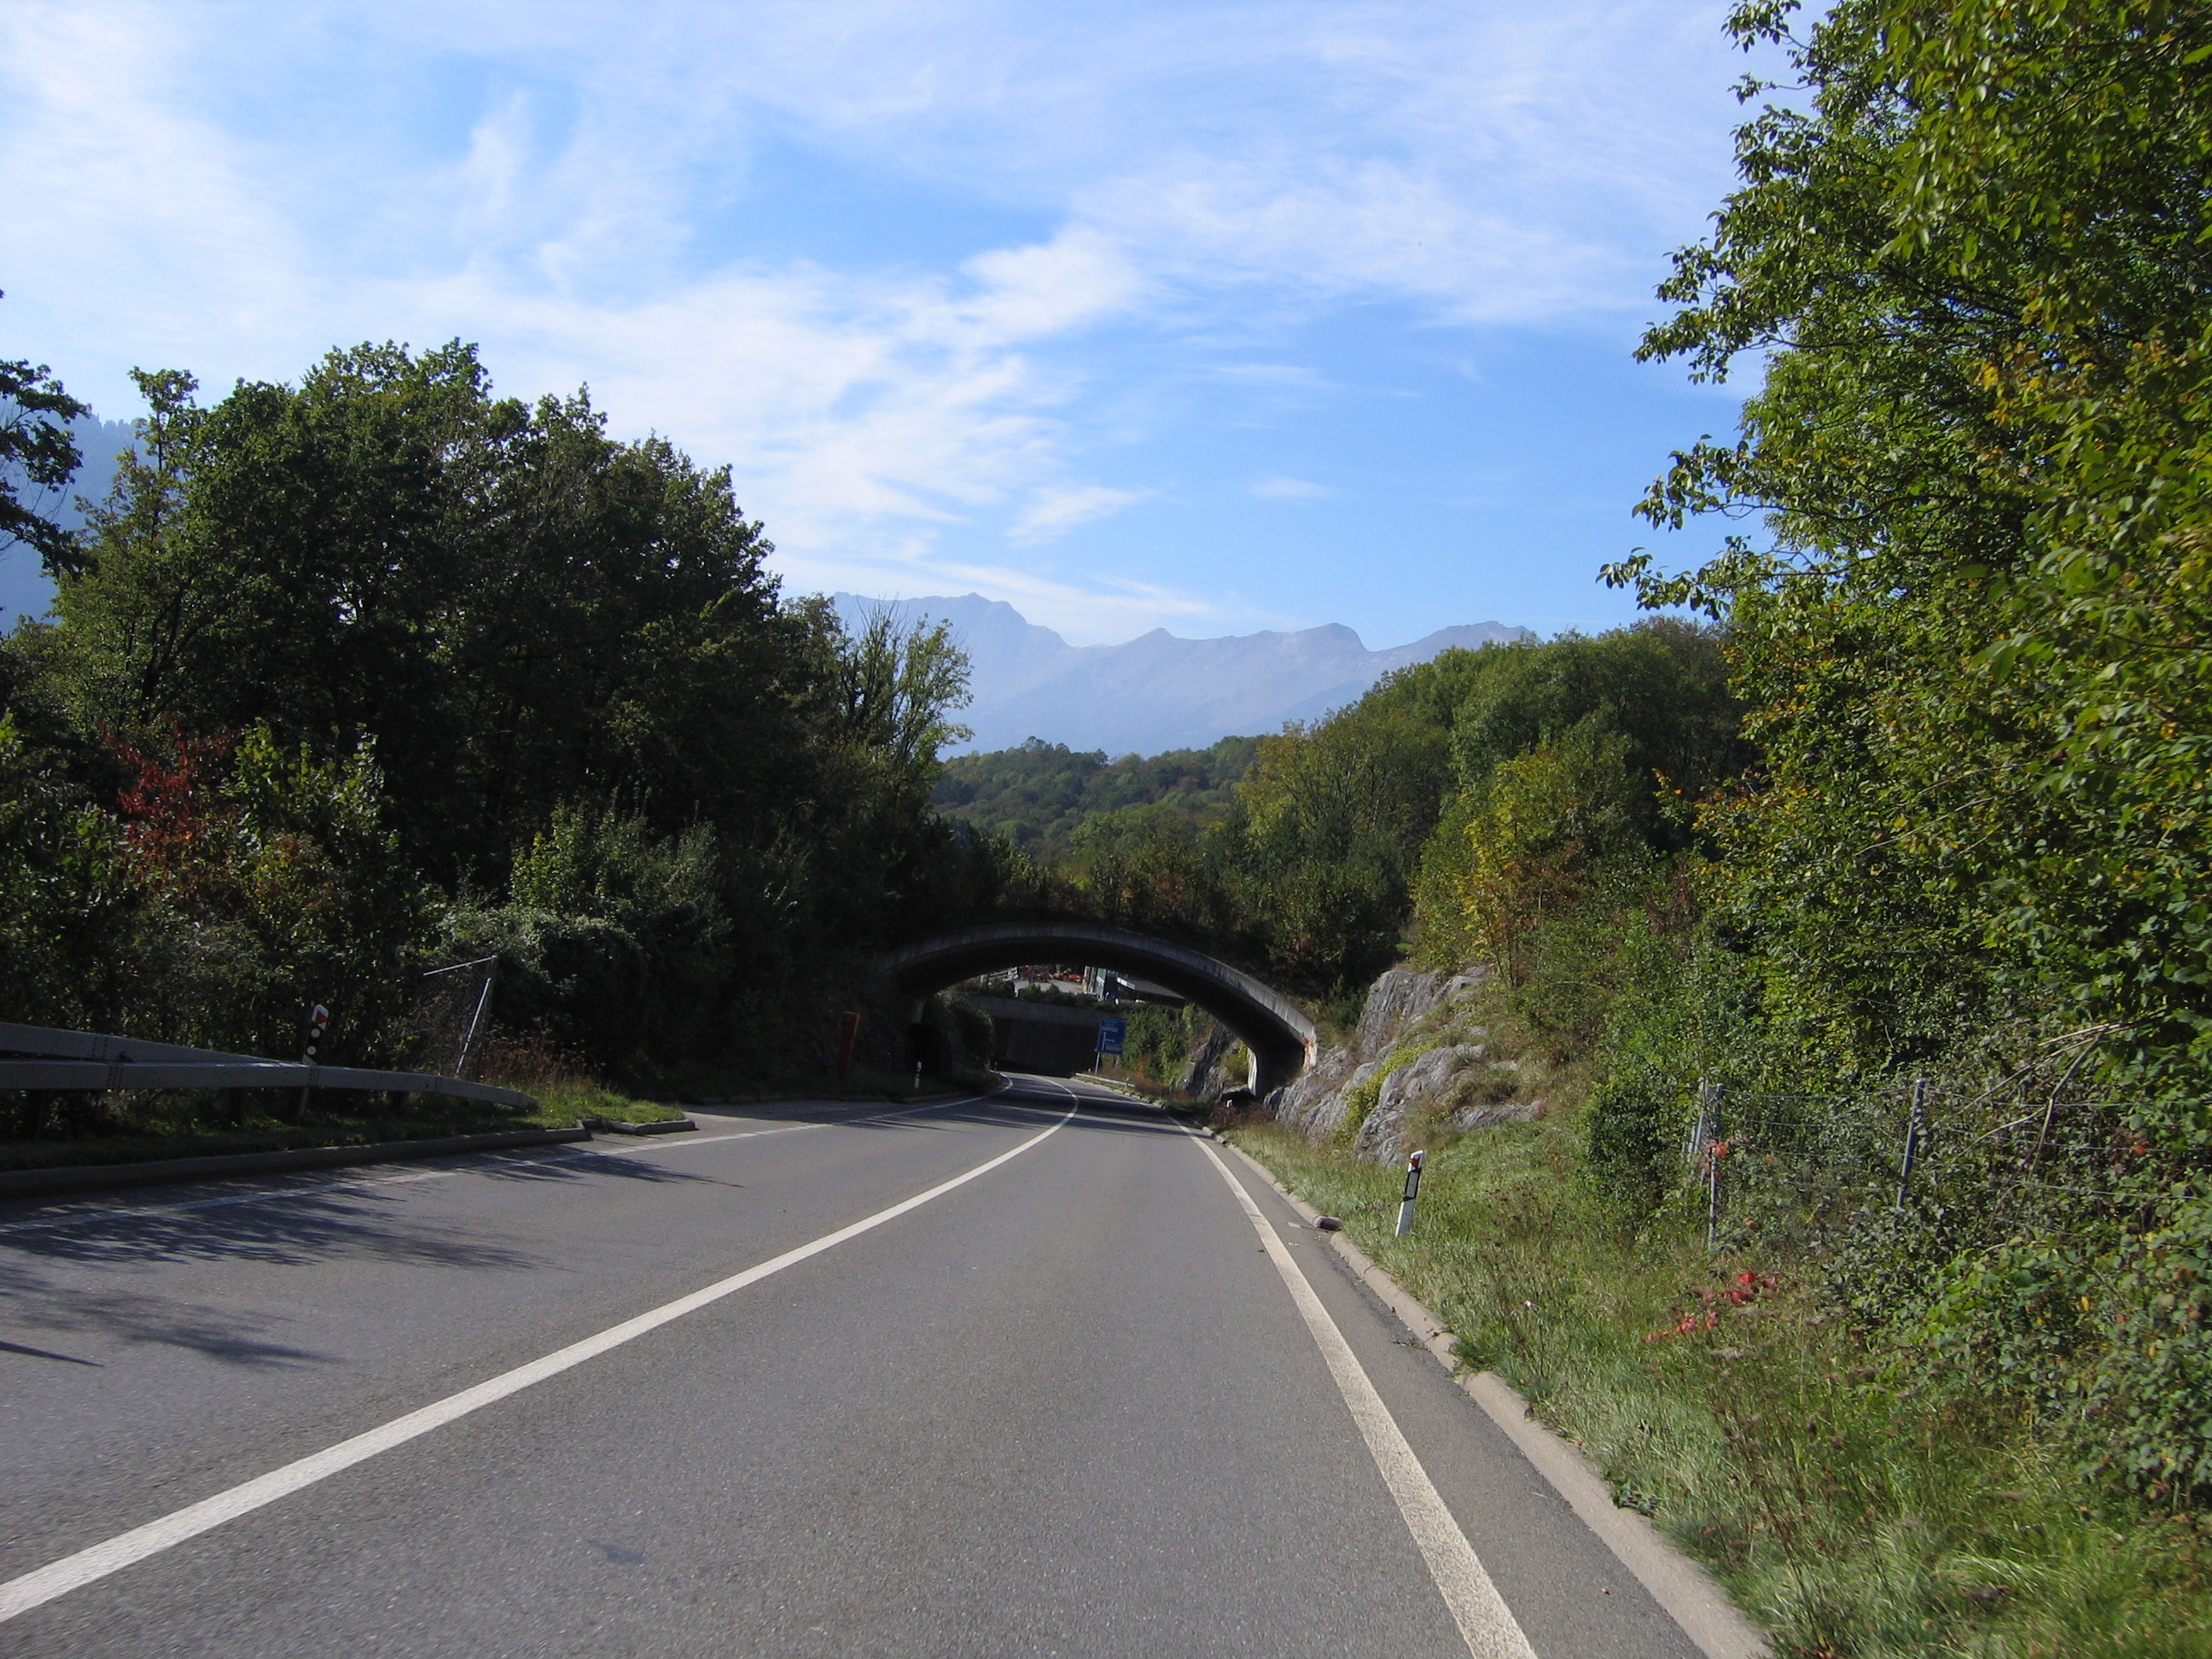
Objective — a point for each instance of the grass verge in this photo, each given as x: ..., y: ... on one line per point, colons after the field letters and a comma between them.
x: 1853, y: 1517
x: 205, y: 1123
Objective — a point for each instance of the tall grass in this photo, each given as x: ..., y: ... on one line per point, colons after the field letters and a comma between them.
x: 1851, y: 1513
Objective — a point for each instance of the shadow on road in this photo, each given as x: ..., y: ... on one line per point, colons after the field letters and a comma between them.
x: 303, y: 1220
x: 35, y: 1302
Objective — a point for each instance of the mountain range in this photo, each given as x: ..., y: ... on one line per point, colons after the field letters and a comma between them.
x: 26, y: 590
x: 1155, y: 692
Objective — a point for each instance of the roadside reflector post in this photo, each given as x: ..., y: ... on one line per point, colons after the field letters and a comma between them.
x: 1412, y: 1191
x: 318, y: 1022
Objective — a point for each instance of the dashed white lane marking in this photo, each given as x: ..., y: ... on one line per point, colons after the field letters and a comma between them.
x: 78, y: 1217
x: 1484, y: 1621
x: 57, y: 1578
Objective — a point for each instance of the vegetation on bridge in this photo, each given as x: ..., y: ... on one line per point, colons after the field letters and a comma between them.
x: 1042, y: 796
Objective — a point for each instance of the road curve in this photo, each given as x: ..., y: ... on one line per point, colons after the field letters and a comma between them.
x: 1022, y: 1374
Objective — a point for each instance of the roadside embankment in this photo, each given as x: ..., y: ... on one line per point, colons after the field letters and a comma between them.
x: 1851, y: 1506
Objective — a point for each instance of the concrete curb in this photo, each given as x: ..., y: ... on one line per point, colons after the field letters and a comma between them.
x: 1690, y: 1595
x: 1115, y: 1084
x: 659, y: 1125
x: 99, y: 1177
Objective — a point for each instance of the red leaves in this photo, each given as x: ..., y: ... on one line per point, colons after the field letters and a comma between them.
x: 1740, y: 1292
x: 171, y: 814
x: 1745, y: 1289
x: 1688, y: 1322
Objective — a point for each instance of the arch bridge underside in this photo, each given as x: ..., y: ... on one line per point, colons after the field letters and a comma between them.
x: 1279, y: 1034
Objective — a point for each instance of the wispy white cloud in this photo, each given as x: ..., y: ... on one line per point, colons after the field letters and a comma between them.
x: 233, y: 185
x: 1055, y: 509
x: 1290, y: 489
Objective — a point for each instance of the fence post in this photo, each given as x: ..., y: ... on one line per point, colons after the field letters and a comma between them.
x: 1696, y: 1141
x: 475, y: 1019
x: 1916, y: 1127
x: 1709, y: 1136
x: 848, y: 1031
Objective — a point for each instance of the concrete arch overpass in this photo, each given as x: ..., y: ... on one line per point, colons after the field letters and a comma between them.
x: 1279, y: 1033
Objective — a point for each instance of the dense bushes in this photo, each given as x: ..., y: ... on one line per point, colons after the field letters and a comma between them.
x: 233, y: 874
x: 1971, y: 259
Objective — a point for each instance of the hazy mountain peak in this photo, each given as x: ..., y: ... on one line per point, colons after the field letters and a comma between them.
x: 1158, y: 691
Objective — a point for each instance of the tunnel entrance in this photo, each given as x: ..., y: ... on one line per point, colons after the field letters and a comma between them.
x: 1279, y: 1034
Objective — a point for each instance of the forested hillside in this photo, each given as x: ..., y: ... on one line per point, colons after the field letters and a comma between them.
x: 1039, y: 794
x: 1310, y: 867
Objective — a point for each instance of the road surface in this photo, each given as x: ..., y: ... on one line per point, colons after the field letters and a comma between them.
x: 1020, y: 1375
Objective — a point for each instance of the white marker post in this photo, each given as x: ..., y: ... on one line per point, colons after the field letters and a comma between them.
x: 318, y: 1022
x: 1412, y: 1191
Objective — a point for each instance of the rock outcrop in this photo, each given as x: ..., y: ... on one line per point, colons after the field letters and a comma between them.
x: 1314, y: 1105
x: 1420, y: 1083
x: 1412, y: 1054
x: 1215, y: 1066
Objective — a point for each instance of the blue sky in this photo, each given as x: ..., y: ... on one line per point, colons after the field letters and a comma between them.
x: 1209, y: 316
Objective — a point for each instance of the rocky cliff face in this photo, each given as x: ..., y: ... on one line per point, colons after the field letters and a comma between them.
x: 1415, y: 1054
x: 1216, y: 1065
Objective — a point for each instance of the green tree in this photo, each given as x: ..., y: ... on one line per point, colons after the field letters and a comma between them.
x: 516, y: 609
x: 36, y: 452
x: 1038, y: 793
x: 1973, y: 261
x: 379, y: 663
x: 1973, y: 264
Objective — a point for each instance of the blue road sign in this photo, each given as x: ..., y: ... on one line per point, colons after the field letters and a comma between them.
x: 1110, y: 1033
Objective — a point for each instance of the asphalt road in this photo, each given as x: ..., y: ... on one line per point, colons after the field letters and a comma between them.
x: 1073, y: 1405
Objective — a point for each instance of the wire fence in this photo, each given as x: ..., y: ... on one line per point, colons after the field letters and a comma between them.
x: 1807, y: 1167
x: 448, y: 1023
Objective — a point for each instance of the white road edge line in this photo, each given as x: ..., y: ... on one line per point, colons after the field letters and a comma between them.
x: 1484, y: 1621
x: 57, y: 1578
x: 1684, y: 1590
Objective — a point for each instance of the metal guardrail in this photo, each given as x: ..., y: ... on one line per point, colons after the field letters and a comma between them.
x: 92, y: 1060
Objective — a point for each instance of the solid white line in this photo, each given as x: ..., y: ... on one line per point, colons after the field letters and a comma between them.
x: 57, y: 1578
x: 1484, y: 1621
x: 1683, y: 1588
